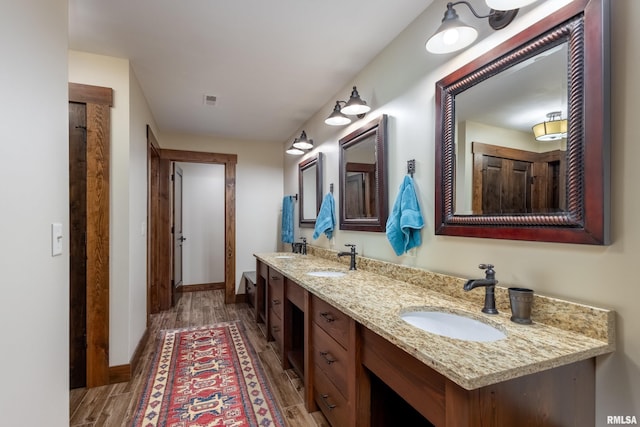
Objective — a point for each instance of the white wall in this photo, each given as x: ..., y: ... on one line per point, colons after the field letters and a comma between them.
x: 400, y: 82
x: 258, y: 191
x: 203, y: 216
x: 128, y: 192
x: 34, y: 147
x: 138, y: 219
x: 97, y: 70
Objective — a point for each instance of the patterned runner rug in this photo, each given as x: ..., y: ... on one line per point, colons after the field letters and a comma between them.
x: 207, y: 376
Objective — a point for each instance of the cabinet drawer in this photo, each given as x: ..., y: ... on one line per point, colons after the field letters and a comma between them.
x: 275, y: 292
x: 333, y: 321
x: 275, y: 327
x: 263, y: 269
x: 330, y: 358
x: 295, y: 294
x: 251, y: 293
x: 332, y: 403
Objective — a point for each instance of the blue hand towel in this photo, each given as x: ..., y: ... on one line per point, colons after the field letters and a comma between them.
x: 405, y: 221
x: 326, y: 220
x: 287, y: 219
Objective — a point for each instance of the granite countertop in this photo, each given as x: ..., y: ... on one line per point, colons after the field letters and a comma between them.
x: 376, y: 301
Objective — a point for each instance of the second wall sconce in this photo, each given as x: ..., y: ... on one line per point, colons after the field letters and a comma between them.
x: 300, y: 145
x: 355, y: 106
x: 453, y: 34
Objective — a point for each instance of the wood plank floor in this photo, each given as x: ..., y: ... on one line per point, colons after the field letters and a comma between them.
x: 114, y: 405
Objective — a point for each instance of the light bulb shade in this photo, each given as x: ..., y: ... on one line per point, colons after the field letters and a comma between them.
x: 355, y: 105
x: 295, y: 151
x: 451, y: 35
x: 508, y: 4
x: 551, y: 130
x: 303, y: 143
x: 336, y: 118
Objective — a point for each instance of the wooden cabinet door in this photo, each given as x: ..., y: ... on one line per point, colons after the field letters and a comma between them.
x: 506, y: 186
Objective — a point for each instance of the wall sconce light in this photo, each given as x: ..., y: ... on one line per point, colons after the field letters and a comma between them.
x: 355, y: 106
x: 294, y: 151
x: 453, y: 34
x: 553, y: 129
x: 303, y: 143
x: 300, y: 145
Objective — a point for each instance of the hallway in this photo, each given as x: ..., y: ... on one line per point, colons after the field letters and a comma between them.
x: 113, y: 405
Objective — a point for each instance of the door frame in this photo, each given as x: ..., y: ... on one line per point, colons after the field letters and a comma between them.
x: 177, y: 226
x: 99, y: 101
x: 160, y: 223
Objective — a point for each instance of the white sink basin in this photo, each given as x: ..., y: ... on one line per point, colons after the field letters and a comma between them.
x: 326, y: 273
x: 284, y: 256
x: 452, y: 325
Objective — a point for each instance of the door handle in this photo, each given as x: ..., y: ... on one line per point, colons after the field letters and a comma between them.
x: 182, y: 239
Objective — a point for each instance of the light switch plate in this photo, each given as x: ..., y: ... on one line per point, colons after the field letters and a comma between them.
x: 56, y: 239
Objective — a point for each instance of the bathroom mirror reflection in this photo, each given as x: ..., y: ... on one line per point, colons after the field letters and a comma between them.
x: 363, y: 194
x: 310, y: 189
x: 493, y: 177
x: 502, y: 167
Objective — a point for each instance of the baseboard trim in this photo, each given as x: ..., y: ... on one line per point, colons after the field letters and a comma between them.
x: 123, y: 373
x: 137, y: 355
x: 119, y: 374
x: 201, y: 287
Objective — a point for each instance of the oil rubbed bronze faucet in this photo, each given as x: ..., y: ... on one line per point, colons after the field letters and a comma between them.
x: 352, y: 253
x: 489, y: 283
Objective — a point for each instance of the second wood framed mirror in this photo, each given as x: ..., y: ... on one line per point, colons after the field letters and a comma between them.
x: 363, y: 189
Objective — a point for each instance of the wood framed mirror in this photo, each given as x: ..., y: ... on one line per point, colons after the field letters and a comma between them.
x: 310, y: 188
x: 363, y: 190
x: 488, y: 183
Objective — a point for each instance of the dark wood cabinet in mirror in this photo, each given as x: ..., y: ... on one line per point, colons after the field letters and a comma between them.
x: 494, y: 177
x: 363, y: 190
x: 310, y: 188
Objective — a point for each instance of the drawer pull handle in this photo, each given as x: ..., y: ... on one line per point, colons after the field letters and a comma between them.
x: 275, y: 278
x: 275, y: 329
x: 326, y: 356
x: 325, y: 400
x: 327, y: 316
x: 276, y: 302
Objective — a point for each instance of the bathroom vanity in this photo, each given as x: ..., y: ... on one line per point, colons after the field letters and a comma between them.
x: 362, y: 365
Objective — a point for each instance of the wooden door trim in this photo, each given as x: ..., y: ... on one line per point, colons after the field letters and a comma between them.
x: 153, y: 195
x: 98, y: 101
x: 229, y: 161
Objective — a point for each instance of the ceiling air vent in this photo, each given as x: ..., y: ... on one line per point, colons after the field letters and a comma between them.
x: 209, y: 100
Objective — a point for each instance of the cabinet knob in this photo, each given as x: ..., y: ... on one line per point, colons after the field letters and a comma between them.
x: 325, y: 400
x: 327, y: 316
x: 327, y: 357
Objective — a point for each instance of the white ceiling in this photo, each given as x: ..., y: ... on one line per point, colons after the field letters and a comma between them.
x: 271, y: 64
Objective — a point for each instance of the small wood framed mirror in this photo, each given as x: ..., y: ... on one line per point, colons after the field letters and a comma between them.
x: 310, y: 188
x: 363, y: 190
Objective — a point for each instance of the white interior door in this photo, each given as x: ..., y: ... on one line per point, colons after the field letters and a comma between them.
x: 177, y: 225
x: 203, y: 211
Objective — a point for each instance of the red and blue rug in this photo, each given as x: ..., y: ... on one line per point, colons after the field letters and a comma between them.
x: 207, y: 376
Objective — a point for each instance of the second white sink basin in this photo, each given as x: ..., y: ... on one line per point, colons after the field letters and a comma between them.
x: 326, y: 273
x: 453, y: 325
